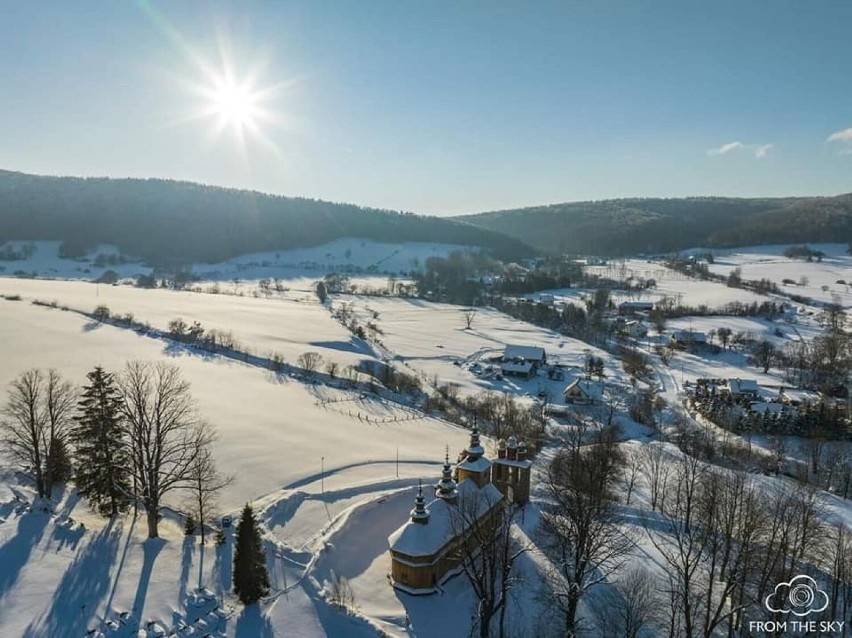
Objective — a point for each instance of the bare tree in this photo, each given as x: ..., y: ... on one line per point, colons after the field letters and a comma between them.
x: 580, y: 532
x: 486, y: 553
x: 164, y: 433
x: 469, y: 316
x: 764, y: 354
x: 632, y: 467
x: 680, y: 545
x: 101, y: 313
x: 840, y: 594
x: 731, y: 521
x: 630, y: 607
x: 332, y: 367
x: 655, y: 471
x: 35, y: 422
x: 205, y: 481
x: 612, y: 402
x: 309, y: 361
x: 666, y: 354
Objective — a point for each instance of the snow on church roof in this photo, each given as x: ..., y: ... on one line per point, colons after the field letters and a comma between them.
x: 479, y: 465
x: 419, y: 539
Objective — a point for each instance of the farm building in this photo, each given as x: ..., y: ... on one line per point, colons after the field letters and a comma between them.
x: 633, y: 307
x: 522, y: 361
x: 688, y: 338
x: 743, y: 388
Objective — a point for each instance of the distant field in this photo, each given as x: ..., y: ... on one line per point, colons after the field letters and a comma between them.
x: 769, y: 262
x: 363, y: 255
x: 429, y: 337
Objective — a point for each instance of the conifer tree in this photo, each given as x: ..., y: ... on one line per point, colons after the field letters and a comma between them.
x: 251, y: 581
x: 100, y: 450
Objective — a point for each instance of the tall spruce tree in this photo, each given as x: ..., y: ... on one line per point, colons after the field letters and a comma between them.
x: 100, y: 446
x: 251, y: 581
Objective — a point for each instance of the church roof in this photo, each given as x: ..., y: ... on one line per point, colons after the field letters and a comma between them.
x: 512, y: 463
x: 477, y: 465
x: 418, y: 540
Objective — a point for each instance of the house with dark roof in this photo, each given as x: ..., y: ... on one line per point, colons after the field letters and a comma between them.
x: 522, y: 361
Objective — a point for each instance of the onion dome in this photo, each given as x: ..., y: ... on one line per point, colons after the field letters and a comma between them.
x: 420, y: 514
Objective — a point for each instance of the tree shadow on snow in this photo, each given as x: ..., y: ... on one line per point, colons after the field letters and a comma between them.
x: 186, y: 562
x: 15, y: 552
x: 83, y: 585
x: 222, y: 567
x: 252, y: 624
x: 177, y: 349
x: 120, y: 567
x: 353, y: 345
x: 150, y: 550
x: 67, y: 537
x: 91, y: 326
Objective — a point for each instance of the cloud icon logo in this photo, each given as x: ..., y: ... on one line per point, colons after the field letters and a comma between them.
x: 800, y: 596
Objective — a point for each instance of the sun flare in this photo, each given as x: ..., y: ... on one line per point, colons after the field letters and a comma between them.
x: 234, y: 104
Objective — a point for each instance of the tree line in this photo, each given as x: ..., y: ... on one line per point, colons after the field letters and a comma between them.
x: 170, y: 223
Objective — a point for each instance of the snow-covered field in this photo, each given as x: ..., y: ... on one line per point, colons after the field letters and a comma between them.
x: 276, y: 435
x: 288, y: 324
x: 669, y: 283
x: 769, y: 262
x: 331, y: 472
x: 362, y: 255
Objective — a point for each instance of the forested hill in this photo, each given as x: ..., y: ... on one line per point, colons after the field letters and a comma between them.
x: 168, y: 222
x: 630, y: 226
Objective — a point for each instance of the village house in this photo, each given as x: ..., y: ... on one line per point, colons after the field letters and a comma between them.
x: 424, y: 551
x: 636, y: 329
x: 583, y: 392
x: 626, y: 308
x: 687, y: 338
x: 522, y: 361
x: 743, y: 388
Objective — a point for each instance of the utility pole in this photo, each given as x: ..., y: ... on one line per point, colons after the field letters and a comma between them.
x: 322, y: 474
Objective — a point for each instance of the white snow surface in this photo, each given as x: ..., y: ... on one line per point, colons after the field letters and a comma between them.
x: 363, y: 255
x: 332, y: 474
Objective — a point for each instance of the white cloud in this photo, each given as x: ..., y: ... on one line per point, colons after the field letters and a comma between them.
x: 843, y: 135
x: 844, y: 138
x: 759, y: 150
x: 762, y: 151
x: 726, y: 148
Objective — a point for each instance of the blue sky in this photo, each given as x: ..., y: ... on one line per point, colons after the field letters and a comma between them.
x: 438, y: 107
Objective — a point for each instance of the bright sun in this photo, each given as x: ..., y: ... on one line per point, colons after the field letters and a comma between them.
x: 235, y: 105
